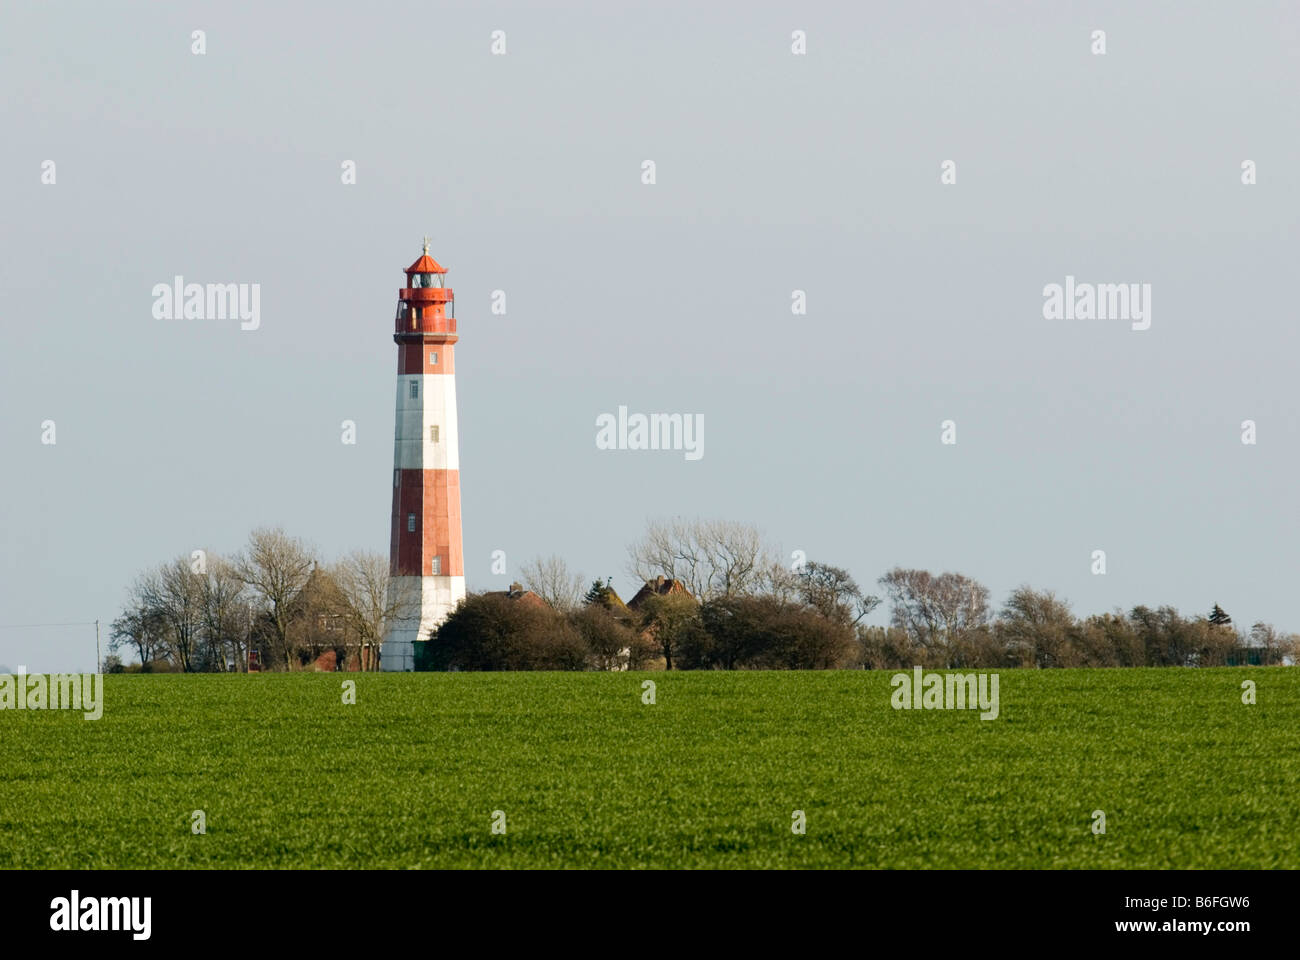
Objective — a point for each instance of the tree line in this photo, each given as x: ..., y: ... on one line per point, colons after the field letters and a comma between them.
x: 716, y: 597
x: 273, y: 599
x: 741, y: 609
x: 937, y: 621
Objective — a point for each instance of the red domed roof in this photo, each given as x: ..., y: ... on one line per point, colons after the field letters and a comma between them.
x: 426, y: 264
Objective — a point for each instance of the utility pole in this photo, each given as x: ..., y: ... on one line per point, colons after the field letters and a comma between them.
x: 98, y: 662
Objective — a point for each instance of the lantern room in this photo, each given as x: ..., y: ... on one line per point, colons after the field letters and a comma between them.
x: 426, y: 305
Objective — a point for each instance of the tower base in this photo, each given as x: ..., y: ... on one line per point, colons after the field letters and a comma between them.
x: 419, y: 605
x: 397, y: 656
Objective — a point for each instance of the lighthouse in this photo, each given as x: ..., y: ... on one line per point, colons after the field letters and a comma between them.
x: 426, y: 565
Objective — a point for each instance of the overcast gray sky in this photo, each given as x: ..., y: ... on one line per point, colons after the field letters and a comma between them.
x: 774, y: 172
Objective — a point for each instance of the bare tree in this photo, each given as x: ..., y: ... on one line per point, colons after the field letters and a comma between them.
x: 276, y: 567
x: 713, y: 558
x: 550, y: 578
x: 369, y: 601
x: 174, y: 592
x: 833, y: 593
x: 937, y: 611
x: 140, y: 626
x: 781, y: 582
x: 225, y: 614
x: 1036, y: 628
x: 1275, y: 644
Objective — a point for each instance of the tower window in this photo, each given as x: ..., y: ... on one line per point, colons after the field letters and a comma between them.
x: 410, y: 523
x: 397, y: 476
x: 437, y: 566
x: 433, y: 359
x: 433, y: 434
x: 415, y: 389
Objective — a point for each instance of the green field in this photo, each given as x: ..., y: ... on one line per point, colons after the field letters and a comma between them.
x: 589, y: 776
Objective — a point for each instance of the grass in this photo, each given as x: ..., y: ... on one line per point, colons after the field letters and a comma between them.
x: 589, y: 776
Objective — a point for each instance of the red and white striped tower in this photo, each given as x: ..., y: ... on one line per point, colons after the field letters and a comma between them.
x: 426, y: 564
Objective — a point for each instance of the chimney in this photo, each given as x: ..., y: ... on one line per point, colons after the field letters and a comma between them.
x: 516, y: 588
x: 659, y: 582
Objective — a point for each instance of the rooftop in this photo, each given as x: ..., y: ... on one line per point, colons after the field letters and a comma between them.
x: 426, y: 263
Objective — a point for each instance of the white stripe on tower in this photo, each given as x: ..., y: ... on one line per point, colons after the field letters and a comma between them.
x: 416, y: 446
